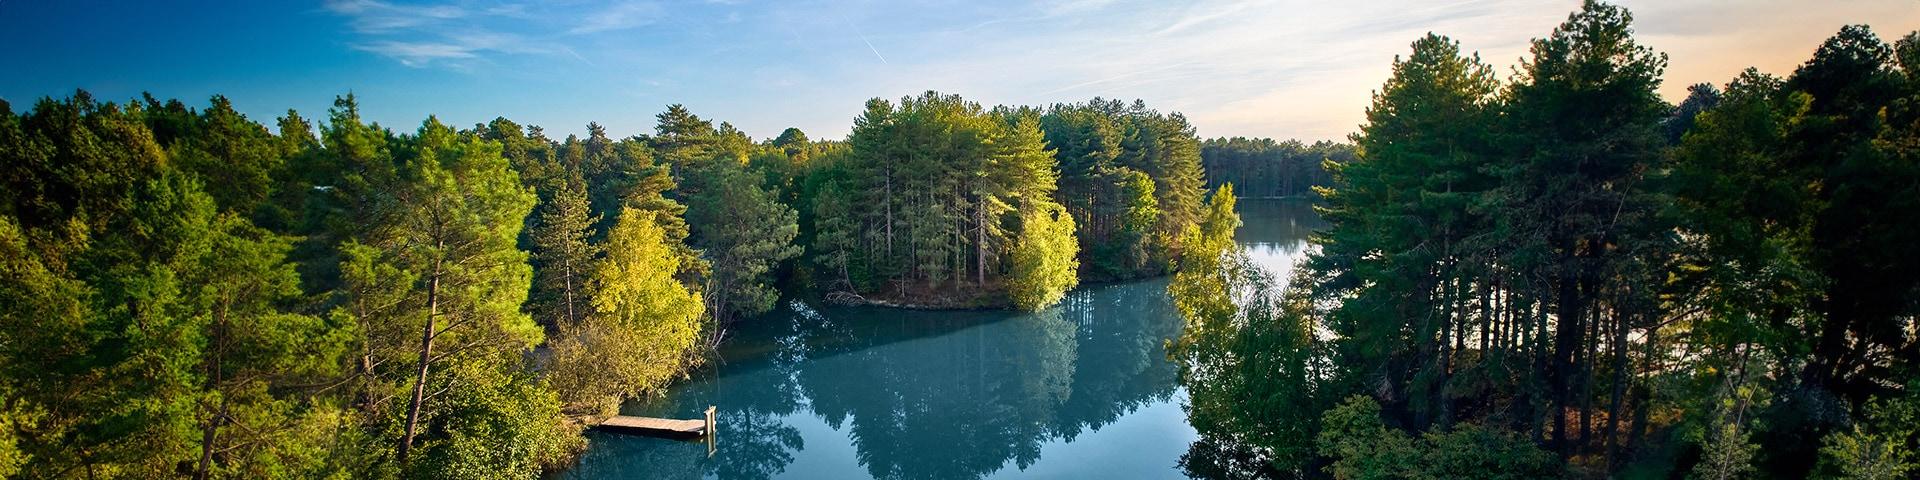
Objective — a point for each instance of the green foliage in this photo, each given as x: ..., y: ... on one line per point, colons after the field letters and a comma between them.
x: 1880, y: 444
x: 1408, y: 225
x: 255, y: 346
x: 1726, y: 452
x: 1044, y: 262
x: 1562, y: 261
x: 500, y: 423
x: 1264, y: 168
x: 935, y: 191
x: 11, y: 457
x: 1365, y: 448
x: 437, y: 288
x: 1203, y: 290
x: 834, y: 242
x: 168, y: 321
x: 565, y: 256
x: 152, y: 328
x: 1362, y: 446
x: 1774, y: 182
x: 644, y: 327
x: 235, y: 157
x: 742, y: 230
x: 1105, y: 149
x: 1861, y: 455
x: 1246, y: 354
x: 1534, y: 258
x: 745, y: 233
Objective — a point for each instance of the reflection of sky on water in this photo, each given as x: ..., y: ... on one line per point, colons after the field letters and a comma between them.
x: 1083, y: 390
x: 1273, y: 233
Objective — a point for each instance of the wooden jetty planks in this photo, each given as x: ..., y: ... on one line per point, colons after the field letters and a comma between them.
x: 660, y: 427
x: 656, y: 426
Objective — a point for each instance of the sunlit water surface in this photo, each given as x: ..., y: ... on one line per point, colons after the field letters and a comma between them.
x: 1082, y: 390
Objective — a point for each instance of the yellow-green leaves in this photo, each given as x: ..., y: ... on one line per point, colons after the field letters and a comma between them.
x: 1044, y: 258
x: 645, y: 324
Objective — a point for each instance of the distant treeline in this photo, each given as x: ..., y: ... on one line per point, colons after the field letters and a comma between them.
x: 1264, y: 168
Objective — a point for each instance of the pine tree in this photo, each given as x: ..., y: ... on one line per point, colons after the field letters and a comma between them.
x: 235, y: 156
x: 1581, y: 209
x: 834, y: 243
x: 438, y: 292
x: 1403, y: 217
x: 745, y: 236
x: 565, y: 256
x: 257, y: 350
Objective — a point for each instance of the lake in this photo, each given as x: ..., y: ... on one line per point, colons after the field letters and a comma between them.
x: 1081, y: 390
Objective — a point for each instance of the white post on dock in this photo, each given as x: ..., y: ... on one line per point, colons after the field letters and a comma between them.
x: 710, y: 432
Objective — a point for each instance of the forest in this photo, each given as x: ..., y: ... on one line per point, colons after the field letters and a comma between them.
x: 1264, y: 168
x: 1553, y: 274
x: 1559, y: 274
x: 193, y: 293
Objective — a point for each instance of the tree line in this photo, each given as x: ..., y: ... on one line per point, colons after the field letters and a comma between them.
x: 1562, y: 274
x: 191, y: 293
x: 1264, y: 168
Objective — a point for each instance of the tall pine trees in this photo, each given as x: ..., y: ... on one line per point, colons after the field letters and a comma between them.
x: 436, y: 289
x: 1405, y: 214
x: 939, y: 187
x: 1132, y: 179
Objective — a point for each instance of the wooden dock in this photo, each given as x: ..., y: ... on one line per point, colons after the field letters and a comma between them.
x: 660, y: 427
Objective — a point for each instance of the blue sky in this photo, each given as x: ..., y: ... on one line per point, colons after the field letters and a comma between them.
x: 1284, y: 69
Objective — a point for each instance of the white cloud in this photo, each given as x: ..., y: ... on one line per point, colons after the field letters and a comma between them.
x: 620, y: 16
x: 414, y: 54
x: 377, y: 16
x: 455, y: 35
x: 1201, y: 14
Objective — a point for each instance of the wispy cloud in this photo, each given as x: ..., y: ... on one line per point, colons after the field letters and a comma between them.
x: 455, y: 35
x: 417, y: 54
x: 1076, y: 6
x: 371, y: 16
x: 1203, y: 13
x: 620, y: 16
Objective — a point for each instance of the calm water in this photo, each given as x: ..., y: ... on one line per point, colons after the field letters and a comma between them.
x: 1083, y: 390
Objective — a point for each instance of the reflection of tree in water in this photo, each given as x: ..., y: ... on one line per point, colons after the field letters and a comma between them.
x: 1122, y: 363
x: 616, y: 455
x: 1277, y: 222
x: 1219, y: 457
x: 753, y: 441
x: 934, y: 395
x: 963, y: 404
x: 753, y: 445
x: 954, y: 406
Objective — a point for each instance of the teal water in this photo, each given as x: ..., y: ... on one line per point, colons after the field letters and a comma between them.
x: 1082, y: 390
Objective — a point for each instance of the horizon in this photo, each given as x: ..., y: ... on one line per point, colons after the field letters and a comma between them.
x: 1258, y: 69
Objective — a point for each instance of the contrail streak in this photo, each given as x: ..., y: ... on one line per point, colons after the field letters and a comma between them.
x: 863, y: 39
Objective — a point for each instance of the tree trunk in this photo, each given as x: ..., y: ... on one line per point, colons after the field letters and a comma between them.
x: 1565, y: 344
x: 1642, y: 395
x: 980, y: 245
x: 426, y: 357
x: 1619, y: 389
x: 568, y: 272
x: 211, y: 430
x: 889, y: 211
